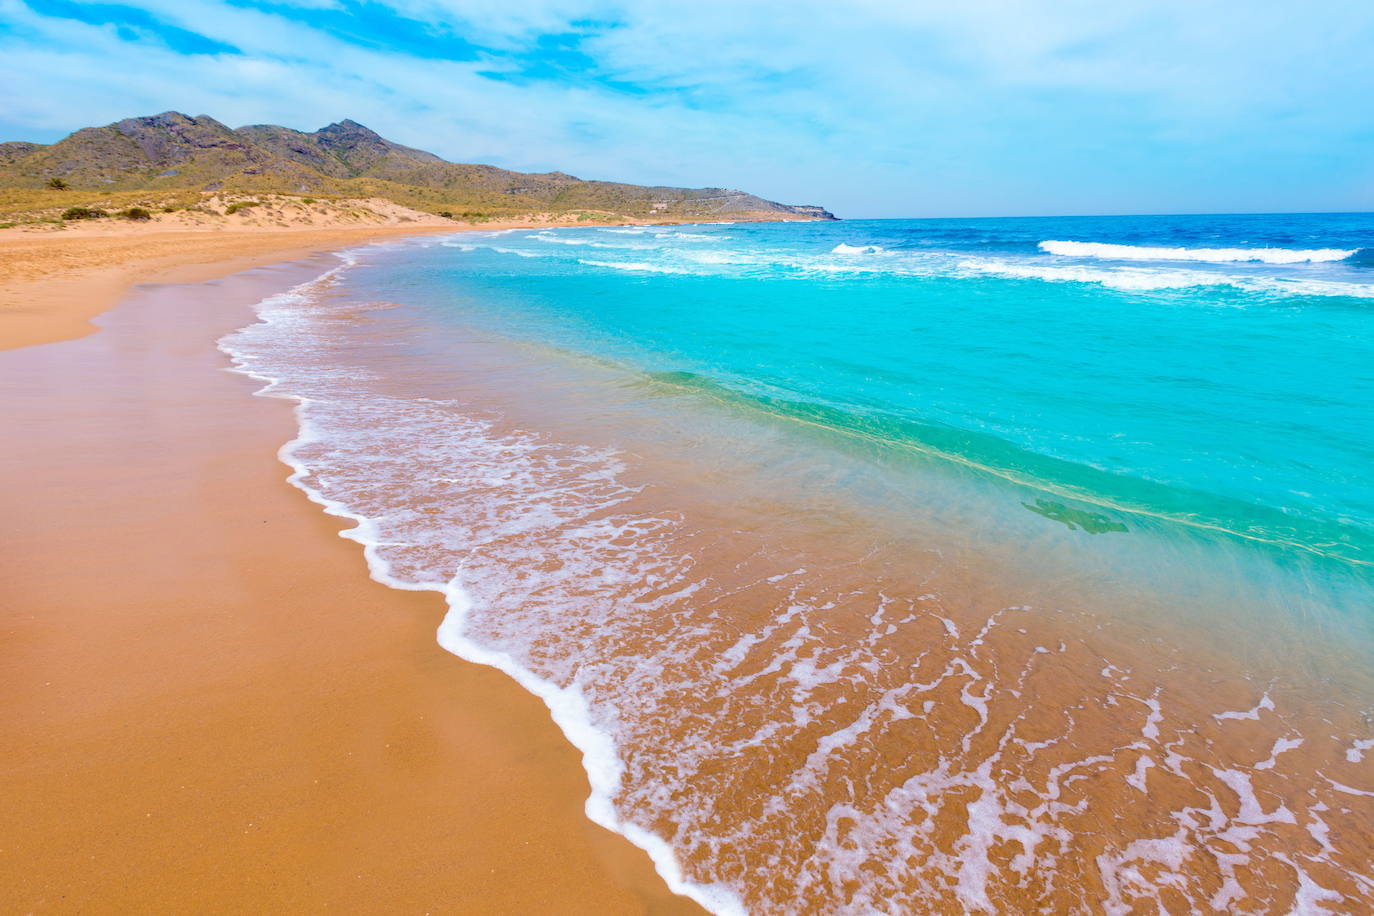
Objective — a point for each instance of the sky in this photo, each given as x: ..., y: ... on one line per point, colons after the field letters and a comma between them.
x: 876, y: 108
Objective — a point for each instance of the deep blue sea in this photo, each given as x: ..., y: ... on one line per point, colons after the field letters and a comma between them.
x: 977, y: 565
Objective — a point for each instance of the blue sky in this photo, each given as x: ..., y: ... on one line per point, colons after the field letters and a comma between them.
x: 961, y: 107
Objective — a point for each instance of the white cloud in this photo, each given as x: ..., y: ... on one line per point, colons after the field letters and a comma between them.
x: 987, y: 105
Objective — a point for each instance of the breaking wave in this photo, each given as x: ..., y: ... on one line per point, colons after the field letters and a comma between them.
x: 636, y: 266
x: 1148, y: 279
x: 1113, y: 252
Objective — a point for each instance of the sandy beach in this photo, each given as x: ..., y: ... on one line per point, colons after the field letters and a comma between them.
x: 210, y: 707
x: 559, y: 460
x: 53, y: 280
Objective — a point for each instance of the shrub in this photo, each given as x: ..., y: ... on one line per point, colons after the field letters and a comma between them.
x: 307, y: 200
x: 238, y: 205
x: 57, y: 184
x: 135, y: 213
x: 446, y: 214
x: 83, y: 213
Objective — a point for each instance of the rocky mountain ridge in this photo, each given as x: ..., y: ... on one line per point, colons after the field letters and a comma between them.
x: 173, y: 151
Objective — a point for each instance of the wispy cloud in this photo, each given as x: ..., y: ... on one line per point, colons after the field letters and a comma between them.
x: 886, y: 108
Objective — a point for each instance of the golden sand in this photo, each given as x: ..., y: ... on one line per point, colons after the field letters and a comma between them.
x: 209, y: 706
x: 53, y: 282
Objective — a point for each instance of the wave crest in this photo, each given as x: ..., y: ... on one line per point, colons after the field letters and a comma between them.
x: 1113, y: 252
x: 1149, y: 279
x: 640, y: 266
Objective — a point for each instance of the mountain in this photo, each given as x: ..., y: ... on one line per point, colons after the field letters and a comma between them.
x: 173, y: 151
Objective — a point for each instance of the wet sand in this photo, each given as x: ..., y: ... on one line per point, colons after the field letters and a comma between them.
x: 209, y: 707
x: 833, y: 700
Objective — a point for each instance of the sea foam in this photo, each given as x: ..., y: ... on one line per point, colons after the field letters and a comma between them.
x: 866, y: 714
x: 1150, y: 279
x: 1114, y: 252
x: 278, y: 351
x: 634, y: 266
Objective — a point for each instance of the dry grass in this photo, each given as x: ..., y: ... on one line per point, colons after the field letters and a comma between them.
x: 42, y: 207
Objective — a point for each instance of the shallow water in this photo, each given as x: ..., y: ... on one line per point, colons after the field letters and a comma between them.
x: 935, y: 565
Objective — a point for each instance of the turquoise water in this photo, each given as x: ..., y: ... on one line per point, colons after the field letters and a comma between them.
x: 1211, y: 373
x: 893, y: 566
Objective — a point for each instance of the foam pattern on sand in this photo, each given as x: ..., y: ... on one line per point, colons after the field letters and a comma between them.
x: 797, y: 724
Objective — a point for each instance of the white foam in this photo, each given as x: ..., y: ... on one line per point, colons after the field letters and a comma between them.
x: 1357, y: 750
x: 1132, y: 279
x: 554, y: 238
x: 1348, y: 790
x: 1251, y: 811
x: 552, y: 512
x: 662, y: 255
x: 1123, y: 881
x: 1106, y: 250
x: 689, y: 236
x: 460, y: 237
x: 634, y: 266
x: 567, y: 705
x: 1318, y: 828
x: 1137, y: 779
x: 572, y: 714
x: 1281, y: 745
x: 1151, y: 279
x: 1308, y: 899
x: 1151, y: 728
x: 1252, y: 714
x: 1230, y: 890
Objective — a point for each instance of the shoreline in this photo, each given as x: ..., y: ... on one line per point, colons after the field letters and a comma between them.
x: 141, y: 475
x: 566, y: 706
x: 629, y: 581
x: 53, y: 282
x: 238, y: 757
